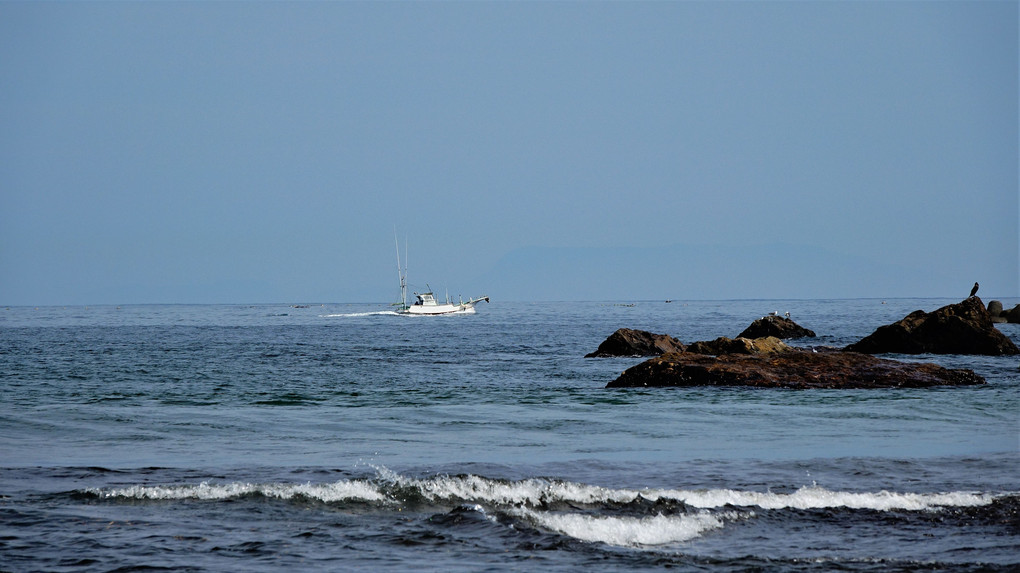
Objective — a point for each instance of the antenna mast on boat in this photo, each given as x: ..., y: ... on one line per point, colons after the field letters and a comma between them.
x: 401, y: 273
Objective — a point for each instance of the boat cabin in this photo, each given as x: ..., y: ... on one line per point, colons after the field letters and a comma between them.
x: 425, y: 299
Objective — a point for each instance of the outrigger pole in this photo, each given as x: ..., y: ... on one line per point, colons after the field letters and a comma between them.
x: 401, y: 274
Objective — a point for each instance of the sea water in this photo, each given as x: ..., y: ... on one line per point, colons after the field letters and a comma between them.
x: 334, y: 437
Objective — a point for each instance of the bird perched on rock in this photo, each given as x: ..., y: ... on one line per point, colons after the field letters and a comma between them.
x: 973, y: 291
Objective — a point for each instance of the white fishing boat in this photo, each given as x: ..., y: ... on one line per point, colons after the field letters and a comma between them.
x: 425, y: 303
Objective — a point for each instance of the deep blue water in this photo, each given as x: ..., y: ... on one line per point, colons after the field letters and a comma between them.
x: 344, y: 437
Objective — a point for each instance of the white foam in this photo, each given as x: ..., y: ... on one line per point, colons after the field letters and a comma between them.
x: 814, y: 497
x: 524, y: 492
x: 338, y: 491
x: 627, y: 531
x: 536, y: 492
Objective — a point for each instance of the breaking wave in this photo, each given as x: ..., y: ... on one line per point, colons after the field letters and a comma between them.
x: 629, y: 531
x: 344, y: 490
x: 588, y: 513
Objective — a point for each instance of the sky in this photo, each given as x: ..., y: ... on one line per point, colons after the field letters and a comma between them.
x: 272, y: 152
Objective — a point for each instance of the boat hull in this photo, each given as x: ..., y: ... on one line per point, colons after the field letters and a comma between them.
x: 440, y: 309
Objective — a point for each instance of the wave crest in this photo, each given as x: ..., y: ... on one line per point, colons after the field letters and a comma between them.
x: 589, y: 513
x: 344, y: 490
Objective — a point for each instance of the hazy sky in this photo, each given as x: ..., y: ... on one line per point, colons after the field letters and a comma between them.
x: 265, y: 152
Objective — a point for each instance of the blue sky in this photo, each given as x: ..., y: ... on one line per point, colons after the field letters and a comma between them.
x: 188, y: 152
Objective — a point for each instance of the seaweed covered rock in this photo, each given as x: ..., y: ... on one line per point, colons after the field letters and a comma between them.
x: 740, y: 345
x: 962, y: 328
x: 799, y: 369
x: 628, y: 342
x: 777, y: 326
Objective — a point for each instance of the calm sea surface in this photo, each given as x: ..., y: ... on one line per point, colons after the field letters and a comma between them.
x: 344, y: 437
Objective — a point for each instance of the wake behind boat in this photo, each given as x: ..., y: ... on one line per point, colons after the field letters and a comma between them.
x: 425, y: 303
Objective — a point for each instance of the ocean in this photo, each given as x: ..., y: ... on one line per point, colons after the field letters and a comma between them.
x: 344, y: 437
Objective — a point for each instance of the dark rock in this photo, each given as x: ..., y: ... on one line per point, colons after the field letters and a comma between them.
x: 1013, y: 315
x: 627, y: 342
x: 995, y: 311
x: 723, y: 345
x: 801, y: 369
x: 961, y: 328
x: 778, y: 326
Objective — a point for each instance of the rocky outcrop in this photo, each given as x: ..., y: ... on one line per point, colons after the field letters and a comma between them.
x: 995, y: 311
x: 800, y: 369
x: 628, y: 342
x: 1000, y: 314
x: 723, y: 345
x: 1012, y: 315
x: 778, y: 326
x: 961, y: 328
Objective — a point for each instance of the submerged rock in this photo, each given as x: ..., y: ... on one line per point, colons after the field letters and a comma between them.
x: 801, y: 369
x: 962, y: 328
x: 628, y: 342
x: 778, y: 326
x: 740, y: 345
